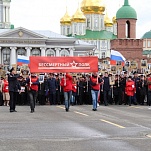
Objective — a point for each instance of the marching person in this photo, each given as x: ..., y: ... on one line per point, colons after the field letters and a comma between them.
x: 58, y: 90
x: 74, y: 91
x: 1, y: 96
x: 106, y: 89
x: 124, y: 80
x: 52, y: 87
x: 142, y: 89
x: 23, y: 95
x: 130, y: 89
x: 21, y: 99
x: 101, y: 98
x: 61, y: 89
x: 149, y: 89
x: 118, y: 90
x: 5, y: 90
x: 42, y: 90
x: 122, y: 85
x: 33, y: 82
x: 13, y: 89
x: 95, y: 87
x: 81, y: 87
x: 136, y: 97
x: 66, y: 83
x: 88, y: 90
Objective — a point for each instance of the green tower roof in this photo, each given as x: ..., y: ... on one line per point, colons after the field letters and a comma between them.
x: 126, y: 12
x: 147, y: 35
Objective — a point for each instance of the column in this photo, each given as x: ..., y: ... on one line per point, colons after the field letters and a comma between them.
x: 43, y: 51
x: 6, y: 14
x: 57, y: 51
x: 0, y: 55
x: 28, y: 49
x: 3, y: 14
x: 71, y: 51
x: 13, y: 55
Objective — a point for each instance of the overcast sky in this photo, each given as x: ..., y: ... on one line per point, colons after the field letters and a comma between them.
x: 46, y: 14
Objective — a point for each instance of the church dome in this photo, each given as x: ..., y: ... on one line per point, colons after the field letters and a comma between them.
x: 66, y: 19
x: 78, y: 16
x: 107, y: 21
x: 147, y: 35
x: 126, y: 12
x: 114, y: 20
x: 92, y: 6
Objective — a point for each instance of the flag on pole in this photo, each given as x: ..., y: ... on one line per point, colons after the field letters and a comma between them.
x: 22, y: 60
x: 116, y: 56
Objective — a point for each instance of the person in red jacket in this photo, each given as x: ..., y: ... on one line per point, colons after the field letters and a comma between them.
x: 66, y: 83
x: 95, y: 82
x: 130, y: 89
x: 149, y: 89
x: 5, y: 90
x: 33, y: 82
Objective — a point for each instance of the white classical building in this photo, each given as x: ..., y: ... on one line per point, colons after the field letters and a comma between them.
x: 21, y: 41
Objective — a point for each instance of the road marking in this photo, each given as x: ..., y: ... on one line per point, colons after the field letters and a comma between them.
x: 137, y: 107
x: 112, y: 123
x: 61, y: 107
x: 148, y: 136
x: 81, y: 113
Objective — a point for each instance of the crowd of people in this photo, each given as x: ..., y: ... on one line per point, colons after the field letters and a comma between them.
x: 68, y: 89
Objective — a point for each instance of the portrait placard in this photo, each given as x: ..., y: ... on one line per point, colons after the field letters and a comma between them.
x: 41, y: 78
x: 144, y: 63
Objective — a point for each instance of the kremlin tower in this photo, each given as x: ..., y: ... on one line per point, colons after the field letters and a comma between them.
x: 5, y: 14
x: 126, y: 42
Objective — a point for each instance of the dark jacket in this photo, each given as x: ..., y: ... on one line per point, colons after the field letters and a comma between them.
x: 43, y: 87
x: 14, y: 85
x: 52, y: 85
x: 106, y: 85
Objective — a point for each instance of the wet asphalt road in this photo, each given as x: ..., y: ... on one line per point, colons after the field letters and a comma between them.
x: 50, y: 128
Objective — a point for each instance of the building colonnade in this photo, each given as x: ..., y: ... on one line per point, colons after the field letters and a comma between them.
x: 8, y: 55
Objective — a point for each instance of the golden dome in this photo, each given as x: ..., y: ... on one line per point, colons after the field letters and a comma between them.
x: 114, y: 20
x: 79, y: 16
x: 66, y: 19
x: 107, y: 21
x: 92, y: 6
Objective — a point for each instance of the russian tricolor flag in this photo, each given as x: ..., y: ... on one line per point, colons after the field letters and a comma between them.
x: 22, y: 60
x: 115, y: 57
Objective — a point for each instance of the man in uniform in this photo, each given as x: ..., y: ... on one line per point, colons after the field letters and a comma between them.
x: 13, y: 89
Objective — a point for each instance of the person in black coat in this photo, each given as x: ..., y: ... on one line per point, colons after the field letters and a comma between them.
x: 52, y: 86
x: 58, y: 90
x: 118, y: 90
x: 22, y: 97
x: 42, y: 92
x: 81, y: 86
x: 142, y: 89
x: 14, y: 86
x: 106, y: 89
x: 1, y: 95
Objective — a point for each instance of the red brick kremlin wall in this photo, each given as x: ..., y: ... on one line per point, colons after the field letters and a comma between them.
x: 131, y: 49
